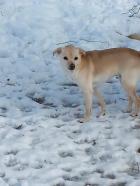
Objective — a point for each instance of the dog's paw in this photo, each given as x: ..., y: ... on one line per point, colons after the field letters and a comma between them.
x: 83, y: 120
x: 134, y: 114
x: 100, y: 114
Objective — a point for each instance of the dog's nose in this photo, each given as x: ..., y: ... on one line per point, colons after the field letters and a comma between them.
x: 71, y: 66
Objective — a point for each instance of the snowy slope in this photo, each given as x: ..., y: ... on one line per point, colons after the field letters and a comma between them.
x: 41, y: 142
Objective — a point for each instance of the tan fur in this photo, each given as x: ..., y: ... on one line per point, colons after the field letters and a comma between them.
x: 134, y: 36
x: 95, y: 67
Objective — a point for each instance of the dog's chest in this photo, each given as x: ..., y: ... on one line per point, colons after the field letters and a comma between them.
x: 75, y: 76
x: 78, y: 78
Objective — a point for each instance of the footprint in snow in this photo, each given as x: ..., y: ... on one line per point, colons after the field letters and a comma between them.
x: 21, y: 166
x: 66, y: 104
x: 12, y: 151
x: 3, y: 111
x: 2, y: 174
x: 66, y: 154
x: 11, y: 161
x: 54, y: 116
x: 59, y: 184
x: 71, y: 178
x: 109, y: 176
x: 18, y: 126
x: 37, y: 165
x: 91, y: 184
x: 119, y: 184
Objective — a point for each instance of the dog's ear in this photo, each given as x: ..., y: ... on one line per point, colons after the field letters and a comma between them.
x: 57, y: 51
x: 82, y: 52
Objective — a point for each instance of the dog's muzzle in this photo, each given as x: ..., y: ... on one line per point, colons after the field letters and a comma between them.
x: 71, y: 66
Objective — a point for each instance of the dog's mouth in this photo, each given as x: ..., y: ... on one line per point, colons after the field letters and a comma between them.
x: 71, y: 66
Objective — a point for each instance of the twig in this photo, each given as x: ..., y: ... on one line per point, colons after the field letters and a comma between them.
x: 119, y: 33
x: 92, y: 41
x: 81, y: 39
x: 66, y: 42
x: 133, y: 11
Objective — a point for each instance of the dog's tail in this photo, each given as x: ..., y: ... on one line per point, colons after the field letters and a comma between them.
x: 135, y: 36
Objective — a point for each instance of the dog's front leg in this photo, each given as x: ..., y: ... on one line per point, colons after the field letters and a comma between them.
x: 88, y: 106
x: 101, y: 102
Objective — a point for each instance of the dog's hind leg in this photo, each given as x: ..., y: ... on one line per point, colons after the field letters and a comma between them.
x: 132, y: 96
x: 130, y: 103
x: 101, y: 102
x: 136, y: 103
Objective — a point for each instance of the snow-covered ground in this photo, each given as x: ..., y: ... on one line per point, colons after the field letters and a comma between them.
x: 41, y: 142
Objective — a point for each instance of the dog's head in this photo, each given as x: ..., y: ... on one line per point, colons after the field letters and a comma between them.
x: 70, y: 56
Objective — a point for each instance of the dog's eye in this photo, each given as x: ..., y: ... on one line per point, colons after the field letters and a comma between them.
x: 75, y: 58
x: 65, y: 57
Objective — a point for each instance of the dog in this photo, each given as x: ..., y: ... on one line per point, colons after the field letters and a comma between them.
x: 90, y: 68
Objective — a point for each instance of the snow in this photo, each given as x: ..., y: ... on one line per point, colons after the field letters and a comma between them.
x: 41, y: 142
